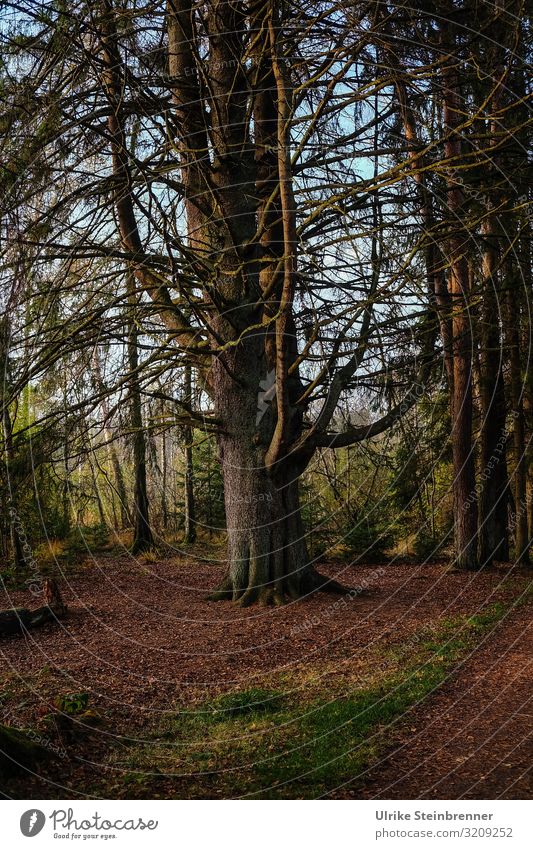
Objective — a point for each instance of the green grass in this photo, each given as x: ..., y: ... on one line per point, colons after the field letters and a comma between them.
x: 263, y: 743
x: 246, y: 703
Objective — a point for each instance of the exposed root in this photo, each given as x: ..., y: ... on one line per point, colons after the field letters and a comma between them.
x: 249, y: 597
x: 278, y: 598
x: 223, y: 593
x: 279, y: 594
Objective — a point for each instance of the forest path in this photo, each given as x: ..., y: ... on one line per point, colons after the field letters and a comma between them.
x: 473, y: 739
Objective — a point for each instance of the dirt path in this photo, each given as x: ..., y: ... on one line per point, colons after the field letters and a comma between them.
x: 474, y: 738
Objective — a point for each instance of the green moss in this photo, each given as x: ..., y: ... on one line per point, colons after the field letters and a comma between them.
x: 17, y: 751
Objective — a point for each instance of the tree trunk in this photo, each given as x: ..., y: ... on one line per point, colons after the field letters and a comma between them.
x: 519, y: 478
x: 164, y: 481
x: 17, y: 548
x: 526, y: 273
x: 464, y: 482
x: 189, y: 535
x: 267, y: 553
x: 142, y: 532
x: 493, y: 496
x: 120, y: 486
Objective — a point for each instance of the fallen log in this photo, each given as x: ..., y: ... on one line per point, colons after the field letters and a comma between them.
x: 16, y: 620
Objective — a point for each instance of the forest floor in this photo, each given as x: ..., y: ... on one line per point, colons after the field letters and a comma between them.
x: 415, y: 685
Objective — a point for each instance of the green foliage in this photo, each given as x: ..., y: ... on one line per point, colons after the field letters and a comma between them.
x: 72, y: 704
x: 368, y: 537
x: 84, y: 538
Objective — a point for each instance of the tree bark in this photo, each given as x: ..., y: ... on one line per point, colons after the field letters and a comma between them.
x: 464, y: 481
x: 120, y: 485
x: 494, y: 484
x: 494, y: 491
x: 267, y: 553
x: 189, y: 533
x: 142, y: 532
x: 519, y: 478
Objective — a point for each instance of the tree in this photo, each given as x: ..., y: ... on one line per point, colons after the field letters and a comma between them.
x: 189, y: 518
x: 287, y: 195
x: 142, y: 533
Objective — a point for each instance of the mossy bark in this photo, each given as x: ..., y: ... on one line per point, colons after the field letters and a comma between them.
x: 268, y: 561
x: 18, y: 751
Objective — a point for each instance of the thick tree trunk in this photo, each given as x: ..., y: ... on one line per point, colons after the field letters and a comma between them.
x: 464, y: 482
x: 494, y: 493
x: 267, y: 554
x: 266, y: 546
x: 120, y: 487
x: 164, y: 481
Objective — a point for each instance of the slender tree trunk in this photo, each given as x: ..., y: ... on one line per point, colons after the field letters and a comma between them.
x: 65, y: 489
x: 120, y: 485
x: 142, y: 532
x: 17, y: 550
x: 464, y: 481
x: 519, y: 478
x: 438, y: 292
x: 267, y: 552
x: 189, y: 534
x: 527, y: 277
x: 494, y: 484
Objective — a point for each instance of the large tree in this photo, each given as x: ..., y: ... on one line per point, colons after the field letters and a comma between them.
x: 253, y: 208
x: 280, y: 190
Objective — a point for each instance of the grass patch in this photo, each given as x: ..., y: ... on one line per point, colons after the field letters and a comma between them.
x: 262, y: 743
x: 246, y: 703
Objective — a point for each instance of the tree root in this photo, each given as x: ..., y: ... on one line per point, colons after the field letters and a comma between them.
x: 223, y: 593
x: 279, y: 593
